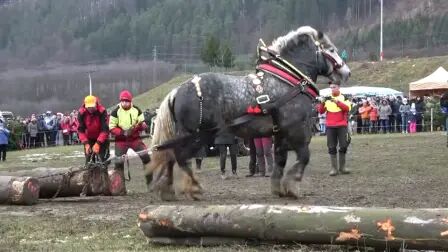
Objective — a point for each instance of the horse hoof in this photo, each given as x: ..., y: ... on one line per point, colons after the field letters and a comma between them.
x: 275, y: 187
x: 167, y: 196
x: 290, y: 188
x: 192, y: 196
x: 166, y: 193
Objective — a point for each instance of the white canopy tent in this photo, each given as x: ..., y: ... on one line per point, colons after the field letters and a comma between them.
x: 435, y: 83
x: 358, y: 91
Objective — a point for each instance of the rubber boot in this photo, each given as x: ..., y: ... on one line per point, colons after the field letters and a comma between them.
x: 342, y: 168
x: 334, y: 165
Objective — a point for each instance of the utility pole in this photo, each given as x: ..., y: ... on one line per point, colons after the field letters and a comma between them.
x: 90, y: 81
x: 381, y: 32
x: 154, y: 62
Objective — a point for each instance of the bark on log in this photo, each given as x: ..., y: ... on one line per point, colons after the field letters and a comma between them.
x: 365, y: 227
x: 65, y: 182
x: 18, y: 190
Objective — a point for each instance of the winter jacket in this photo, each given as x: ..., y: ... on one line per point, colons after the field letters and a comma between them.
x: 32, y: 129
x: 364, y: 111
x: 41, y: 124
x: 384, y: 111
x: 50, y: 123
x: 74, y: 124
x: 122, y: 120
x: 65, y: 126
x: 405, y: 109
x: 420, y: 107
x: 4, y: 134
x: 93, y: 126
x: 337, y: 112
x: 373, y: 115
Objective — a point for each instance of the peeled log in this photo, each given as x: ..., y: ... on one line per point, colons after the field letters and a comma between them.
x: 18, y: 190
x: 65, y: 182
x: 369, y: 227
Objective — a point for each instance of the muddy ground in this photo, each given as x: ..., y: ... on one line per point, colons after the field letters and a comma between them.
x: 390, y: 170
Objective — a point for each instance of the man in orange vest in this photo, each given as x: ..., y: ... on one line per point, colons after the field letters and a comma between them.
x: 337, y: 108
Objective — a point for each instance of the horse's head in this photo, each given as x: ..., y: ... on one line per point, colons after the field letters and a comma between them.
x: 312, y: 52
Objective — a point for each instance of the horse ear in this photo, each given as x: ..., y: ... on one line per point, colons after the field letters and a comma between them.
x: 320, y: 35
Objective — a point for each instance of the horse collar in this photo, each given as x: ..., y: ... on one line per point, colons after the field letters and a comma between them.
x: 292, y: 79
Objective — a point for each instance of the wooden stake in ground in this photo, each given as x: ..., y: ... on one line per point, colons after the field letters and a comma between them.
x: 18, y: 190
x: 362, y: 227
x: 65, y: 182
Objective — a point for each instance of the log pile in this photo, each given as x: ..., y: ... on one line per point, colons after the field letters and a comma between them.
x: 365, y: 227
x: 18, y: 190
x: 65, y: 182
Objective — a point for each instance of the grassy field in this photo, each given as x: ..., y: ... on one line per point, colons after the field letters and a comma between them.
x: 390, y: 170
x: 396, y: 74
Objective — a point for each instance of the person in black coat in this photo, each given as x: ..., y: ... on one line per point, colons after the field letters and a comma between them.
x: 223, y: 141
x: 420, y: 109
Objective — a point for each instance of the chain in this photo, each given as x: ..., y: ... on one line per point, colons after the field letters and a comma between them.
x: 200, y: 112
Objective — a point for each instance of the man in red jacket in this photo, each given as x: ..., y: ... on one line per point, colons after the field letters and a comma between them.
x: 93, y: 129
x: 337, y: 108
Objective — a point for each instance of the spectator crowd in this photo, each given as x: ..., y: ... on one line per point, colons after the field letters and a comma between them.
x: 44, y: 130
x: 373, y: 115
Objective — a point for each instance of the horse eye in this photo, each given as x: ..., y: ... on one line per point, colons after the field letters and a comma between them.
x: 332, y: 50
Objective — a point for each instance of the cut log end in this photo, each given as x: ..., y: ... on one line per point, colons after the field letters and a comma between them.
x: 116, y: 183
x: 24, y: 191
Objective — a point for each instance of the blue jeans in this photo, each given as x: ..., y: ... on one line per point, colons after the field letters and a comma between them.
x: 322, y: 127
x: 384, y: 124
x: 404, y: 122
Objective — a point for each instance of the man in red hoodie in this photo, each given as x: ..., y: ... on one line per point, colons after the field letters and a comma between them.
x: 93, y: 129
x: 337, y: 108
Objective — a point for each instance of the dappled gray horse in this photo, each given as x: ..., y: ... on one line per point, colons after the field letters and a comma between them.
x: 277, y: 100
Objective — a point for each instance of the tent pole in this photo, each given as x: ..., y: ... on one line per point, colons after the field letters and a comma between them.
x: 432, y: 119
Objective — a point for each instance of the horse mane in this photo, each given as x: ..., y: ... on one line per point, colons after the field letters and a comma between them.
x: 291, y: 39
x: 163, y: 123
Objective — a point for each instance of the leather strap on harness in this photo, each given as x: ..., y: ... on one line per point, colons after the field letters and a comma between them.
x: 280, y: 68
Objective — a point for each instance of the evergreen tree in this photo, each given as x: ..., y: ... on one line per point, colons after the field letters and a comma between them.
x: 228, y: 60
x: 210, y: 53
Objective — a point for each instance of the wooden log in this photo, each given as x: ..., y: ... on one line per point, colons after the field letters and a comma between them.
x: 65, y: 182
x: 366, y: 227
x: 18, y: 190
x: 116, y: 183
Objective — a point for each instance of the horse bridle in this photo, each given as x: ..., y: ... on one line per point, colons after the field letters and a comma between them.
x: 326, y: 55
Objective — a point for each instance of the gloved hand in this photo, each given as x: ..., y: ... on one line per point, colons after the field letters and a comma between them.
x: 320, y: 99
x: 87, y: 148
x: 96, y: 148
x: 127, y: 132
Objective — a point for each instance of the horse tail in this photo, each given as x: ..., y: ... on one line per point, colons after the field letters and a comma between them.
x: 164, y: 130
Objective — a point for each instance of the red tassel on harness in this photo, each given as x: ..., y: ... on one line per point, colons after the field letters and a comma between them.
x: 253, y: 109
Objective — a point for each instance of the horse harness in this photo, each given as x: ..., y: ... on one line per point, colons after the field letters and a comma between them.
x: 273, y: 64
